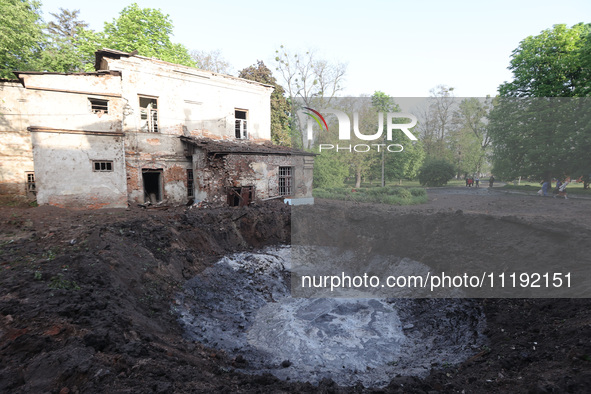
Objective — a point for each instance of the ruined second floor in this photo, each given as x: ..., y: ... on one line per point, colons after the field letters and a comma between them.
x: 134, y: 94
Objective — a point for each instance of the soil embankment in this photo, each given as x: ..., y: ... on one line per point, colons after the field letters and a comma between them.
x: 86, y: 299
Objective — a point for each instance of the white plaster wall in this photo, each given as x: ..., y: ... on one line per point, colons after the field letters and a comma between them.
x: 16, y: 153
x: 175, y: 192
x: 64, y: 170
x: 98, y: 83
x: 45, y: 107
x: 12, y: 97
x: 191, y: 101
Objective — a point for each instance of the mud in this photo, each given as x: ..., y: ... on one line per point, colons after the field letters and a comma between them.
x: 243, y: 305
x: 87, y: 299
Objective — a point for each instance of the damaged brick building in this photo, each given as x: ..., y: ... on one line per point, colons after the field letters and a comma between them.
x: 140, y: 129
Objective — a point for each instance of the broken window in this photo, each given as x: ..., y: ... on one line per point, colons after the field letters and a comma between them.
x: 102, y: 166
x: 240, y: 126
x: 98, y: 106
x: 190, y: 192
x: 31, y: 182
x: 285, y: 181
x: 148, y: 114
x: 240, y: 196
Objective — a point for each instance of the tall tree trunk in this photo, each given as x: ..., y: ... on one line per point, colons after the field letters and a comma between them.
x: 358, y: 178
x: 383, y: 169
x: 548, y: 178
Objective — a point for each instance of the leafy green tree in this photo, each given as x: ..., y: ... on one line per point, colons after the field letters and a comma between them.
x: 280, y: 108
x: 66, y: 25
x: 541, y: 137
x: 329, y: 170
x: 469, y: 140
x: 145, y: 30
x: 466, y: 151
x: 405, y: 164
x: 532, y: 133
x: 436, y: 122
x: 360, y: 163
x: 585, y: 59
x: 396, y: 165
x: 62, y: 52
x: 383, y: 103
x: 436, y: 172
x: 21, y: 35
x: 550, y: 64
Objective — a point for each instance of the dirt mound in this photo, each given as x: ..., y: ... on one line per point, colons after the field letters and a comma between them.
x: 86, y: 302
x: 86, y: 296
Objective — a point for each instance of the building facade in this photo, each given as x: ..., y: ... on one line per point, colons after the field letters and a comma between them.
x: 142, y: 130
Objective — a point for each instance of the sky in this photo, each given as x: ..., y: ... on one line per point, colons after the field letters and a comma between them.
x: 404, y: 49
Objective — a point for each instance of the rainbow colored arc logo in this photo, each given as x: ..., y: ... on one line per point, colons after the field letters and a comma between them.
x: 317, y: 117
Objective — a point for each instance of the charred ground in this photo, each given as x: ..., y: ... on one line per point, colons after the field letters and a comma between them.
x: 86, y: 301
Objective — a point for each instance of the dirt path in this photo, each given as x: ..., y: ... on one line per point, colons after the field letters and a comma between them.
x: 86, y: 301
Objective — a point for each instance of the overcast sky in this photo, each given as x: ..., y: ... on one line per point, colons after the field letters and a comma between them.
x: 403, y: 48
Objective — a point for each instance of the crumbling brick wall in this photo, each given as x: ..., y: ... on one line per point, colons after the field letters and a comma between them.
x: 216, y: 173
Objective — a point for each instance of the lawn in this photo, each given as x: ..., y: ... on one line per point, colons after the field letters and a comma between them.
x: 392, y: 195
x: 414, y: 183
x: 572, y: 188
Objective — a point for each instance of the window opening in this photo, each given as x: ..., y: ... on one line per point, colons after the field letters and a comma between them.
x: 240, y: 196
x: 190, y: 192
x: 149, y: 114
x: 102, y: 166
x: 31, y: 182
x: 98, y: 106
x: 240, y: 128
x: 285, y: 181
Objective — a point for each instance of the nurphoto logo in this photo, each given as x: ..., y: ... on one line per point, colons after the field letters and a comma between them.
x: 344, y: 127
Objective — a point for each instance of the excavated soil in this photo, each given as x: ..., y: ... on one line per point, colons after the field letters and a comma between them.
x: 87, y: 298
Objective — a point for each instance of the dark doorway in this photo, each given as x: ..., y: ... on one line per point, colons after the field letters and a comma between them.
x: 152, y: 185
x: 240, y: 196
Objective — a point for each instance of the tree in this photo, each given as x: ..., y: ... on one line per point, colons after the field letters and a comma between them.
x: 21, y: 35
x: 436, y: 172
x: 541, y: 137
x: 307, y: 76
x: 405, y: 164
x: 329, y: 170
x: 360, y: 163
x: 395, y: 166
x: 534, y: 134
x: 211, y: 61
x: 280, y: 130
x: 62, y: 52
x: 585, y: 59
x: 437, y: 122
x: 145, y: 30
x: 309, y: 81
x: 383, y: 103
x: 469, y: 139
x: 67, y: 24
x: 550, y: 64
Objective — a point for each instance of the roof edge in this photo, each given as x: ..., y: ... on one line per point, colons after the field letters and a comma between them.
x: 115, y: 54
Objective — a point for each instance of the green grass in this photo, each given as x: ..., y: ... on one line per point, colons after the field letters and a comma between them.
x: 414, y: 183
x: 571, y: 188
x: 387, y: 195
